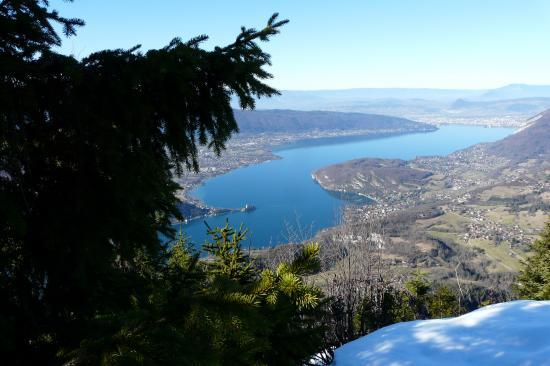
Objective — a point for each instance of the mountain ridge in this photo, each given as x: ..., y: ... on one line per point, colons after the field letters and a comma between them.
x: 517, y: 91
x: 530, y: 142
x: 506, y: 106
x: 288, y: 121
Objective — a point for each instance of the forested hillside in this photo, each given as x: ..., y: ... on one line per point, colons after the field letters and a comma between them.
x: 531, y: 142
x: 289, y: 121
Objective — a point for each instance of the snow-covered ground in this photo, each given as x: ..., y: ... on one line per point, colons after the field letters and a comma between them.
x: 511, y: 333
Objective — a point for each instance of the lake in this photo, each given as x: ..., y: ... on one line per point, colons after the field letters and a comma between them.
x: 285, y: 195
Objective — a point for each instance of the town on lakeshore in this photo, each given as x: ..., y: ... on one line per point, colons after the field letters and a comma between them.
x: 482, y: 197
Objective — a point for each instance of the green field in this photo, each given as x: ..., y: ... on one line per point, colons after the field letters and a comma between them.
x: 450, y: 227
x: 501, y: 254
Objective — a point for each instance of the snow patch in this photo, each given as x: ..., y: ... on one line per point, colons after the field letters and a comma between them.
x: 510, y: 333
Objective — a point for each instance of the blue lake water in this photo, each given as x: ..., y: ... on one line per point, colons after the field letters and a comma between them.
x: 285, y: 194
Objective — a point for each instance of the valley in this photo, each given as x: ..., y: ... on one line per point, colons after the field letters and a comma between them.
x: 477, y: 209
x: 290, y: 205
x: 264, y: 132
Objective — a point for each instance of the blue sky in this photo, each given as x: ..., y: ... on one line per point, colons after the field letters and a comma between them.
x: 345, y: 44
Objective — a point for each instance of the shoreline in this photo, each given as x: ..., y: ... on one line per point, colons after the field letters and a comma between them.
x: 284, y: 143
x: 336, y: 191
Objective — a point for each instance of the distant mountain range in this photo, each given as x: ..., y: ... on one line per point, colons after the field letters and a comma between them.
x: 517, y: 91
x: 512, y: 91
x: 513, y: 102
x: 527, y: 106
x: 290, y: 121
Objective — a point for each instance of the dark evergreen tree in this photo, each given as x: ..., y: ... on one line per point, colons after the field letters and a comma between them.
x: 213, y: 312
x: 534, y: 279
x: 88, y: 150
x: 415, y: 298
x: 423, y: 300
x: 443, y: 303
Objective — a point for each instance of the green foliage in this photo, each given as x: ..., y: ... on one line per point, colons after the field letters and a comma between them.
x: 88, y: 150
x: 386, y: 304
x: 228, y: 257
x: 418, y: 300
x: 378, y: 311
x: 418, y: 286
x: 203, y: 312
x: 422, y: 301
x: 294, y: 308
x: 443, y: 303
x: 534, y: 279
x: 307, y: 260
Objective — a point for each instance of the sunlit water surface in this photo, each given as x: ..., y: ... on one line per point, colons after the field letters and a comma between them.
x: 285, y: 195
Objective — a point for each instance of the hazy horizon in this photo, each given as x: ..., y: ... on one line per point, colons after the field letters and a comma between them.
x: 422, y: 87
